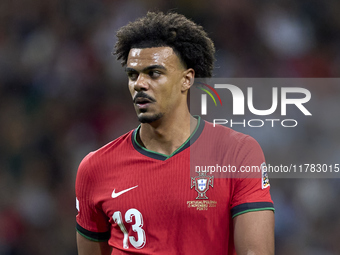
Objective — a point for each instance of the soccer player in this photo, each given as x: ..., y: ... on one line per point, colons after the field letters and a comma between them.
x: 135, y: 195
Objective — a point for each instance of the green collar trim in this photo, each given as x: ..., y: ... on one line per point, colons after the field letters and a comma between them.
x: 156, y: 155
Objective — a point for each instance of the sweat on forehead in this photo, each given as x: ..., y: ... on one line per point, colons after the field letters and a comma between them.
x: 156, y: 44
x: 154, y: 56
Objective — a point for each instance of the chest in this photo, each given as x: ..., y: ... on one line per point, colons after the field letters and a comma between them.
x: 161, y: 189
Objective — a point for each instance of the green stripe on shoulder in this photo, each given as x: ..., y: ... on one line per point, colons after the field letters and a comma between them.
x: 254, y: 210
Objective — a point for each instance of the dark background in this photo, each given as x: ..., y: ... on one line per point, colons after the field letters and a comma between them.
x: 63, y: 95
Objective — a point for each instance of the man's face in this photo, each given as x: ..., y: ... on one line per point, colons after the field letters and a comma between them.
x: 155, y: 77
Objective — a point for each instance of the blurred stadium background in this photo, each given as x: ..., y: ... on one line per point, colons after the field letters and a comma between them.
x: 62, y: 95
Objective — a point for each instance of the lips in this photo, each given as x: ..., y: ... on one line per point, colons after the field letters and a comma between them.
x: 142, y: 100
x: 142, y: 103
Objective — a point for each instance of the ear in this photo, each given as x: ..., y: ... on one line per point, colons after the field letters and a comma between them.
x: 188, y: 79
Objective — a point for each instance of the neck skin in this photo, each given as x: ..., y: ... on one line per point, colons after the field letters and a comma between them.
x: 169, y: 133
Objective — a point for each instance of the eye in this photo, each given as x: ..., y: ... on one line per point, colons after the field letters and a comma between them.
x: 132, y: 76
x: 154, y: 74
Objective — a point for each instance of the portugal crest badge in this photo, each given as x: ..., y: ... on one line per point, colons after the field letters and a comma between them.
x: 201, y: 184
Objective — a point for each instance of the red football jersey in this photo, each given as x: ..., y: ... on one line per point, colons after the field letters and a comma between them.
x: 148, y: 203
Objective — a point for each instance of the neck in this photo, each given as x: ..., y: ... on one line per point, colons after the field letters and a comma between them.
x: 167, y: 134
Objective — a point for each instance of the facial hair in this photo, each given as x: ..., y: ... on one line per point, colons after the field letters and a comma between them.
x: 149, y: 119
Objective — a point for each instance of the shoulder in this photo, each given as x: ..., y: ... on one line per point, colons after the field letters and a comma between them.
x: 225, y: 144
x: 108, y: 152
x: 221, y: 134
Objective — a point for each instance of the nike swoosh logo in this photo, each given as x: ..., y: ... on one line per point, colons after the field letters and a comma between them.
x: 114, y: 194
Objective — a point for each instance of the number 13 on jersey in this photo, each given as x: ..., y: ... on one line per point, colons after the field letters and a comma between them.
x: 137, y: 227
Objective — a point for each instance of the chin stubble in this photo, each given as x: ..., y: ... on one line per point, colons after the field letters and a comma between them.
x: 149, y: 119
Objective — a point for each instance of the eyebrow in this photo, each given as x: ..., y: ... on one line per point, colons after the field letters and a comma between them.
x: 148, y: 68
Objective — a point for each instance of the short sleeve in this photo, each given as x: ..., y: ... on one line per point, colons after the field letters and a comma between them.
x: 92, y: 223
x: 251, y: 192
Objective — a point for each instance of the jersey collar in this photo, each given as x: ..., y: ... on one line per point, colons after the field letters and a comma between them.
x: 155, y: 155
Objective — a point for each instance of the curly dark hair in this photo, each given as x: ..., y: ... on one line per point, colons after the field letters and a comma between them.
x: 188, y: 40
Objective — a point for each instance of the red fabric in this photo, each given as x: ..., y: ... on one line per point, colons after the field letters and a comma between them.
x: 173, y: 220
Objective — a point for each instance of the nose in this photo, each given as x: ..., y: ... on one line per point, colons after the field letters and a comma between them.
x: 141, y: 84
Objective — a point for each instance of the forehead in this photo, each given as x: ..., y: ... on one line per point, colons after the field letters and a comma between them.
x: 144, y: 57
